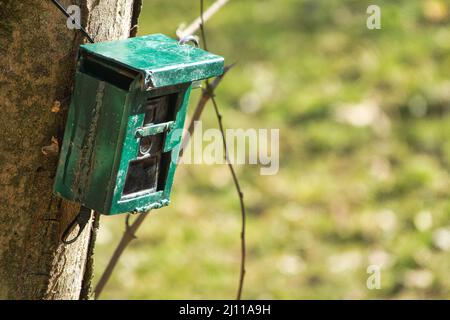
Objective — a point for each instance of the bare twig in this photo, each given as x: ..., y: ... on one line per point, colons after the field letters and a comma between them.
x: 230, y: 166
x: 127, y: 237
x: 195, y: 25
x: 202, y: 28
x: 241, y: 200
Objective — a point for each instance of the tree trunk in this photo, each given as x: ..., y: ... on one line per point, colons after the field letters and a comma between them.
x: 37, y: 63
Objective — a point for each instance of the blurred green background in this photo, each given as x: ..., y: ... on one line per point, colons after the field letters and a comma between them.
x: 364, y: 119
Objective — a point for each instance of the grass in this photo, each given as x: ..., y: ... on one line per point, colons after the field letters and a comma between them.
x: 349, y: 193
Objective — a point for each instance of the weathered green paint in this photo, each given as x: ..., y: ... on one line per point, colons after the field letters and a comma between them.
x: 160, y: 59
x: 154, y: 129
x: 113, y: 84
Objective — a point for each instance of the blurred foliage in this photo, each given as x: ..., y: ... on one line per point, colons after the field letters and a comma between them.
x: 364, y: 150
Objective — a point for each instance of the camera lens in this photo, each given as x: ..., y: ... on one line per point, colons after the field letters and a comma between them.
x: 145, y: 145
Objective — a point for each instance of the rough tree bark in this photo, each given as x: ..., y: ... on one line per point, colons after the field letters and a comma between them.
x: 37, y: 61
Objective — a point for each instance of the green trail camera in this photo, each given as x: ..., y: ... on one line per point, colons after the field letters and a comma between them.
x: 123, y: 131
